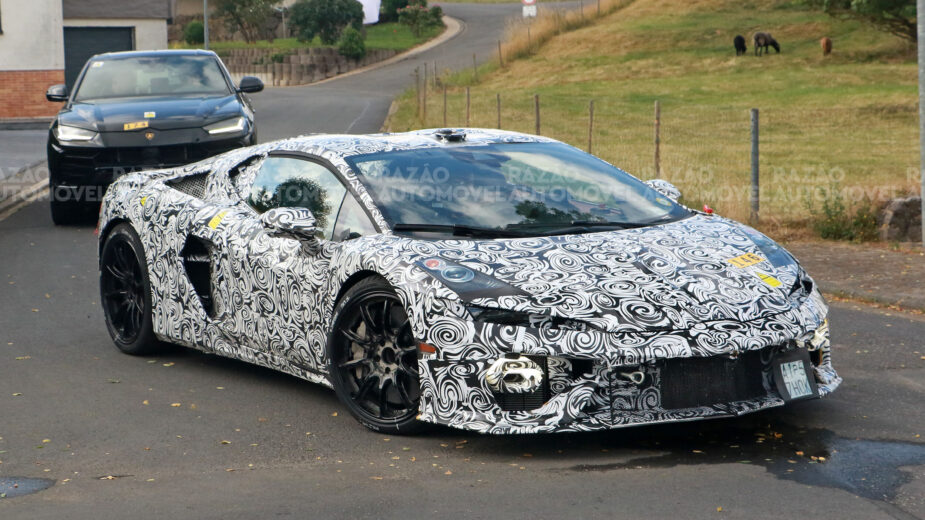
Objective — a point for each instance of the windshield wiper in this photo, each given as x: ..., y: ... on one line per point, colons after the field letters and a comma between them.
x: 458, y: 230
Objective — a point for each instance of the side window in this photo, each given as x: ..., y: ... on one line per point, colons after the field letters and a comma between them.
x: 285, y: 182
x: 352, y: 221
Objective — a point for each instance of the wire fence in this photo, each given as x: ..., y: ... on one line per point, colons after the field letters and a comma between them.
x: 866, y: 154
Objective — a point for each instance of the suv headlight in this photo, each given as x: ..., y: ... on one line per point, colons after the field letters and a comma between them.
x: 228, y: 126
x: 73, y: 133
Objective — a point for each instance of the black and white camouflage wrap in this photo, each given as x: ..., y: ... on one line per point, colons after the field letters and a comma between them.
x: 642, y: 295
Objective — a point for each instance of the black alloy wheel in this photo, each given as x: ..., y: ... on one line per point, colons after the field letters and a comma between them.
x: 125, y: 292
x: 373, y: 360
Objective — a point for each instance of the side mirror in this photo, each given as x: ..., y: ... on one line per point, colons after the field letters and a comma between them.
x: 56, y: 93
x: 665, y: 188
x: 250, y: 85
x: 296, y: 223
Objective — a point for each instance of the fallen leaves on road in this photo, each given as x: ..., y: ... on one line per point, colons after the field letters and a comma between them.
x: 145, y: 402
x: 23, y: 358
x: 176, y: 405
x: 169, y: 364
x: 226, y: 442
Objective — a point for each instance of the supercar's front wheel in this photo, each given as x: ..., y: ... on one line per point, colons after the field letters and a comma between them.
x: 373, y: 361
x: 125, y: 292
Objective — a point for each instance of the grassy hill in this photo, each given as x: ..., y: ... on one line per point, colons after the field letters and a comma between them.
x: 848, y: 120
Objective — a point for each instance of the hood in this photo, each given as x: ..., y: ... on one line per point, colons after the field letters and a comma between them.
x: 170, y: 113
x: 667, y: 277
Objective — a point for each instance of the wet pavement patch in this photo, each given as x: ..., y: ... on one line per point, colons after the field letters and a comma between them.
x: 11, y: 487
x: 815, y: 457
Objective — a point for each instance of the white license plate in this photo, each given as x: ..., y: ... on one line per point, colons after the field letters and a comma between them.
x: 793, y: 375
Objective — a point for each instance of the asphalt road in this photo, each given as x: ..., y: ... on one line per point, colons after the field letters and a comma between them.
x: 246, y: 442
x: 359, y: 104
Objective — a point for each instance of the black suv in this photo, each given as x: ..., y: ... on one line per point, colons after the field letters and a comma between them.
x: 131, y: 111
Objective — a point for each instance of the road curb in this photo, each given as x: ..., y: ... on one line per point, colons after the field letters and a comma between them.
x: 20, y: 194
x: 453, y: 28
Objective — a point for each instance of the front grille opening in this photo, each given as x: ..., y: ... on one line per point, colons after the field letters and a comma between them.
x: 194, y: 184
x: 523, y: 402
x: 581, y: 367
x: 695, y: 382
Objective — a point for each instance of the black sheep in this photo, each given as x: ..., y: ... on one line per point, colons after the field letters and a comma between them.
x: 763, y: 41
x: 739, y: 43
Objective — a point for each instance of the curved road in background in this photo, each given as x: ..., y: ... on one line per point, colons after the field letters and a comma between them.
x: 360, y: 103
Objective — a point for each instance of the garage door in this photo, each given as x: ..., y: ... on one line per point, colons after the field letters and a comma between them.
x: 81, y: 43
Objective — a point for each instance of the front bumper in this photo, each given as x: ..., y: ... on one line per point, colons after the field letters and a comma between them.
x: 599, y: 381
x: 85, y: 171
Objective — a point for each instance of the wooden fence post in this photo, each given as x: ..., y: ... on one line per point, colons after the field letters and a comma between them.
x: 498, y: 99
x: 658, y: 139
x: 417, y: 86
x: 590, y: 124
x: 467, y: 107
x: 536, y: 109
x: 753, y: 196
x: 424, y: 98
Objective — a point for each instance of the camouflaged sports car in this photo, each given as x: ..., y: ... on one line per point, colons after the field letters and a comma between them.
x: 485, y: 280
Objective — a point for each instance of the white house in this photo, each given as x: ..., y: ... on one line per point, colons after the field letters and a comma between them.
x: 44, y: 42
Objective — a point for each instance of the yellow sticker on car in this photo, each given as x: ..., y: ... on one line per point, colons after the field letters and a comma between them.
x: 150, y: 115
x: 217, y: 219
x: 768, y: 279
x: 144, y: 199
x: 135, y: 126
x: 746, y: 260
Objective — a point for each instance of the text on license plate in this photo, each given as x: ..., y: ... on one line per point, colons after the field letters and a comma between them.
x: 794, y: 376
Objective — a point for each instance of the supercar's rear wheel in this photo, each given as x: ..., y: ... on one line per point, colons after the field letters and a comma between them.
x: 373, y: 358
x: 125, y: 292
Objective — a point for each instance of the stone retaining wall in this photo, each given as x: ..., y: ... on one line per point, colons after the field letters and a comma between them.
x: 298, y: 67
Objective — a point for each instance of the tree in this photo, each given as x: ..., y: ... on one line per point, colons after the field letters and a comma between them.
x: 247, y: 16
x: 893, y: 16
x: 351, y: 44
x: 325, y: 18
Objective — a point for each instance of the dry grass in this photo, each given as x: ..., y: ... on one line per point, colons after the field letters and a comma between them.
x: 850, y: 118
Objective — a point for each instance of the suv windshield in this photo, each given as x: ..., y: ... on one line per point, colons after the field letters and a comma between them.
x: 521, y: 188
x: 152, y: 76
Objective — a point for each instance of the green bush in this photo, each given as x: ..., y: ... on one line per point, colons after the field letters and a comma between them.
x: 419, y: 18
x: 325, y: 19
x: 835, y: 221
x: 351, y: 44
x: 389, y: 10
x: 278, y: 57
x: 194, y: 33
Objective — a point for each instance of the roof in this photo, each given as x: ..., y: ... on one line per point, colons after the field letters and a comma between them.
x: 349, y: 145
x: 158, y: 9
x: 151, y: 54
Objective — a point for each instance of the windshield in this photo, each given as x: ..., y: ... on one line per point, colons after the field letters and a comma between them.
x: 152, y: 76
x: 527, y: 188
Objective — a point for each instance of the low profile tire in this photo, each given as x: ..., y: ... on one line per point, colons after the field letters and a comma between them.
x: 372, y: 356
x: 125, y: 293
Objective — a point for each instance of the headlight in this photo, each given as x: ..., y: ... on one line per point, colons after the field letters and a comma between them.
x: 72, y: 133
x: 465, y: 282
x: 228, y: 126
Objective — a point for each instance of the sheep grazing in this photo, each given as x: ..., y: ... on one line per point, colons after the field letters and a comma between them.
x: 739, y: 43
x: 763, y: 41
x: 826, y: 44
